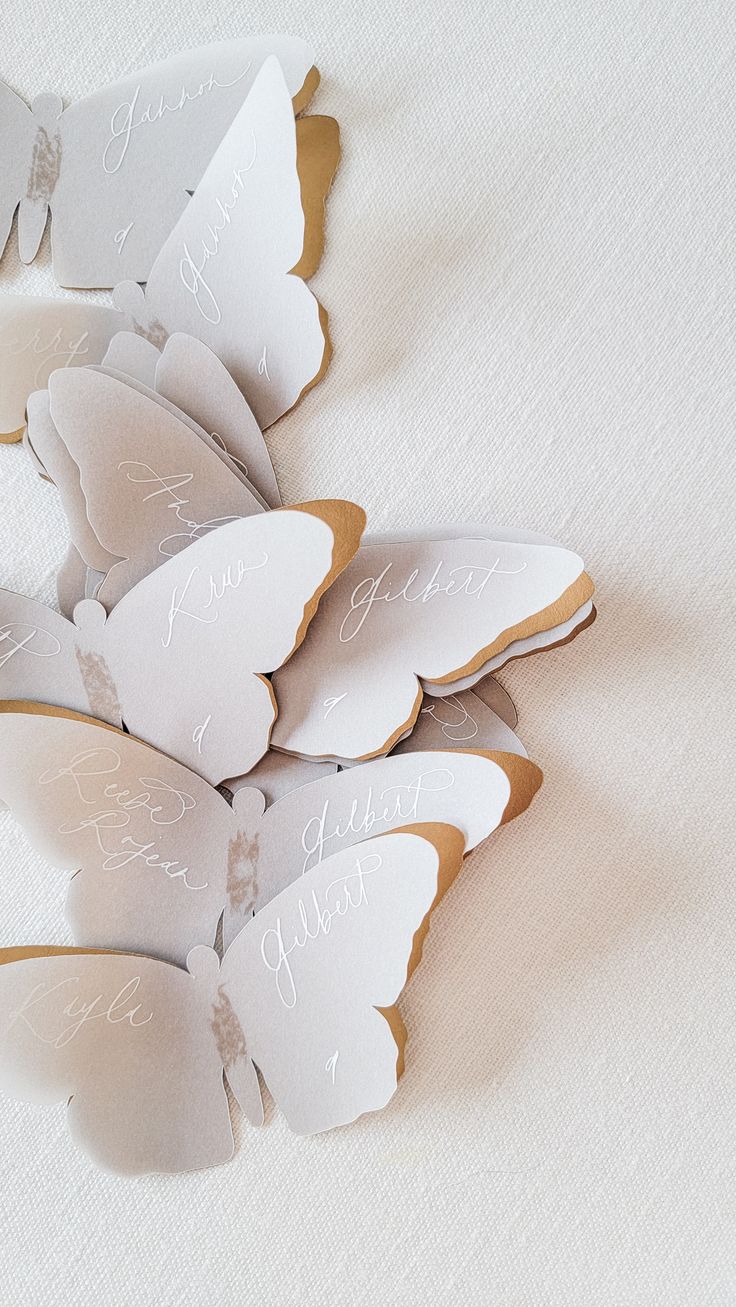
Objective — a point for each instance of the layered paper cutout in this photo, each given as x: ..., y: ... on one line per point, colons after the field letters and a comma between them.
x: 413, y: 614
x: 263, y: 224
x: 459, y: 721
x: 160, y: 854
x: 115, y: 170
x: 305, y: 993
x: 150, y: 483
x: 472, y: 790
x: 182, y: 659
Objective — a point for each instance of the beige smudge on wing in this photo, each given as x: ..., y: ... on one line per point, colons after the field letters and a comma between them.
x: 242, y: 870
x: 99, y: 685
x: 227, y: 1030
x: 45, y: 165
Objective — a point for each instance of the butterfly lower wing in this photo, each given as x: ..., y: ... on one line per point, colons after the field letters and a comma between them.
x: 223, y: 275
x: 314, y: 976
x: 130, y: 1042
x: 190, y: 645
x: 410, y: 610
x: 459, y: 721
x: 149, y: 838
x: 17, y: 135
x: 151, y: 134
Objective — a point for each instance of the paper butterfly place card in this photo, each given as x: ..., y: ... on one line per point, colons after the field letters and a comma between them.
x: 305, y: 993
x: 159, y: 854
x: 258, y: 742
x: 225, y: 266
x: 182, y: 658
x: 413, y: 614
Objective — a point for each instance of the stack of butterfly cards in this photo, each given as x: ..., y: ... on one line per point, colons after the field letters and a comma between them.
x: 254, y: 741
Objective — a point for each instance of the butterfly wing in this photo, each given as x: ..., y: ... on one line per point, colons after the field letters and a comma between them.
x: 149, y: 135
x: 473, y: 791
x: 148, y: 838
x: 223, y: 275
x: 17, y: 134
x: 431, y: 609
x: 459, y: 721
x: 151, y: 484
x: 189, y: 646
x: 193, y: 378
x: 44, y: 657
x: 39, y: 335
x: 130, y: 1041
x: 314, y: 976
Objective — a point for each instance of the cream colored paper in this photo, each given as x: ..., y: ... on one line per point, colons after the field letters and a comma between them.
x: 435, y: 611
x: 138, y: 1047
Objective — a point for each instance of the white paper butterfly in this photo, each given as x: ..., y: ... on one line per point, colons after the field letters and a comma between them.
x: 305, y: 993
x: 160, y: 855
x: 229, y: 272
x: 182, y: 659
x: 116, y: 169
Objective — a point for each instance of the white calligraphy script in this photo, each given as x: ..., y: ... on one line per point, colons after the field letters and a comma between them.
x: 114, y: 808
x: 466, y: 579
x: 315, y: 922
x: 395, y: 804
x: 118, y: 1010
x: 131, y: 115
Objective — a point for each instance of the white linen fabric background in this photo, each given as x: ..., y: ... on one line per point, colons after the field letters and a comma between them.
x: 530, y: 278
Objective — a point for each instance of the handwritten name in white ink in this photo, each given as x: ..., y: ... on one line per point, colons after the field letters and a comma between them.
x: 21, y: 637
x: 394, y: 804
x: 167, y: 487
x: 215, y: 588
x: 192, y: 266
x: 466, y: 579
x: 130, y: 115
x: 316, y: 917
x: 34, y: 1009
x: 115, y: 807
x: 54, y: 350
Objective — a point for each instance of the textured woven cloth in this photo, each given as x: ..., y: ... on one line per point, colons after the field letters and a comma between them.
x: 529, y: 274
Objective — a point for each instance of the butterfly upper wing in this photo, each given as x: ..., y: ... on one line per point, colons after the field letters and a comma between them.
x: 223, y: 274
x: 188, y: 647
x: 194, y: 379
x: 436, y: 610
x: 132, y: 356
x: 314, y: 975
x: 130, y: 1041
x: 461, y: 721
x: 133, y: 150
x: 38, y: 335
x: 148, y: 838
x: 17, y: 134
x: 470, y: 790
x: 150, y: 483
